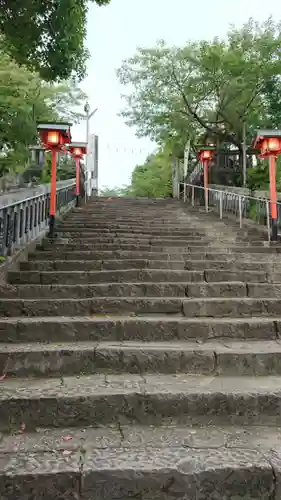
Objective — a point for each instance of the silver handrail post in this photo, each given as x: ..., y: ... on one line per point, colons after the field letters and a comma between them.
x: 240, y: 211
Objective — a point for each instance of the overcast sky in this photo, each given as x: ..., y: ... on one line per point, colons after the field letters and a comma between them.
x: 114, y: 33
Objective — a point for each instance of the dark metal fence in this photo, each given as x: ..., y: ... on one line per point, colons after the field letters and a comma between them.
x: 23, y: 220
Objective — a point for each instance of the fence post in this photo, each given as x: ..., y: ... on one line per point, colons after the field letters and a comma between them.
x: 240, y: 211
x: 192, y: 195
x: 184, y: 192
x: 268, y: 221
x: 220, y: 204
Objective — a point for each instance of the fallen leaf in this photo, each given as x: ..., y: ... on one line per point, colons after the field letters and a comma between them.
x: 66, y: 452
x: 66, y: 438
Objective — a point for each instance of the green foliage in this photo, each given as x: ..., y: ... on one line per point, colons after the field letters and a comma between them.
x: 47, y: 35
x: 206, y: 89
x: 115, y: 191
x: 24, y: 99
x: 258, y: 177
x: 153, y: 179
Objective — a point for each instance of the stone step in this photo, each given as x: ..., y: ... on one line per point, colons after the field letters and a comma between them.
x: 167, y: 248
x: 230, y: 358
x: 59, y: 254
x: 138, y: 230
x: 149, y: 463
x: 108, y: 242
x: 200, y: 289
x: 189, y: 265
x: 130, y: 238
x: 125, y: 328
x: 138, y: 275
x: 189, y: 307
x: 74, y: 401
x: 88, y: 265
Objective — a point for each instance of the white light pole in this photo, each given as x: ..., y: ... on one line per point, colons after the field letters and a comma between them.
x: 89, y: 115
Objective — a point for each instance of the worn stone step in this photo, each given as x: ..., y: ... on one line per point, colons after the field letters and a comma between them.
x: 69, y: 245
x: 191, y: 248
x: 231, y: 358
x: 89, y: 306
x: 138, y: 275
x: 225, y: 289
x: 93, y: 277
x: 60, y: 254
x: 137, y: 230
x: 124, y: 328
x: 88, y: 265
x: 104, y: 243
x: 131, y: 238
x: 190, y: 265
x: 189, y: 307
x: 129, y: 398
x: 101, y: 255
x: 150, y: 463
x: 231, y: 265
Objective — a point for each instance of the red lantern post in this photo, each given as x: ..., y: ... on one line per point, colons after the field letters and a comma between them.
x: 205, y: 155
x: 54, y: 136
x: 78, y: 150
x: 268, y: 142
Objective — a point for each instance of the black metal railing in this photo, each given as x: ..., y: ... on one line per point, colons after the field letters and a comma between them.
x: 26, y: 218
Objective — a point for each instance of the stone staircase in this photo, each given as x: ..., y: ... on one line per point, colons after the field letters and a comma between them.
x: 141, y: 359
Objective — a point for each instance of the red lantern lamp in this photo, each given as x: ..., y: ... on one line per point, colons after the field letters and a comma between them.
x: 78, y: 150
x: 268, y: 144
x: 54, y: 136
x: 205, y: 155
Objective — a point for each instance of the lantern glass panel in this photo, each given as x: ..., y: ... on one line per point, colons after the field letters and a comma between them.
x: 53, y: 138
x: 273, y: 144
x: 206, y: 155
x: 77, y: 152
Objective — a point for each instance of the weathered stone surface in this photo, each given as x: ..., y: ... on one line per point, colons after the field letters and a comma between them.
x: 157, y: 328
x: 89, y: 307
x: 89, y: 265
x: 56, y: 359
x: 156, y: 463
x: 231, y: 307
x: 96, y: 400
x: 141, y: 320
x: 105, y: 276
x: 98, y: 290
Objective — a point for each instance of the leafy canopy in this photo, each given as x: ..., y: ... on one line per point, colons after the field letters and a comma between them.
x: 47, y: 35
x: 24, y: 99
x: 206, y: 89
x: 150, y: 180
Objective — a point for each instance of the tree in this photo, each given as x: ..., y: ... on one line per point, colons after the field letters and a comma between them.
x: 115, y: 191
x: 205, y: 89
x: 24, y: 99
x: 47, y: 35
x: 153, y: 179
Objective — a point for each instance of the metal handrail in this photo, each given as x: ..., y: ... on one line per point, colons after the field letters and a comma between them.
x: 24, y: 220
x: 242, y: 206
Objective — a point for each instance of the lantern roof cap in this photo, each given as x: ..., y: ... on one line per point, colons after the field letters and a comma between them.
x: 265, y: 134
x: 54, y: 126
x: 37, y: 147
x: 206, y: 147
x: 77, y: 145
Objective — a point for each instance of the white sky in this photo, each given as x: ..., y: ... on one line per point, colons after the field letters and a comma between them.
x: 114, y: 33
